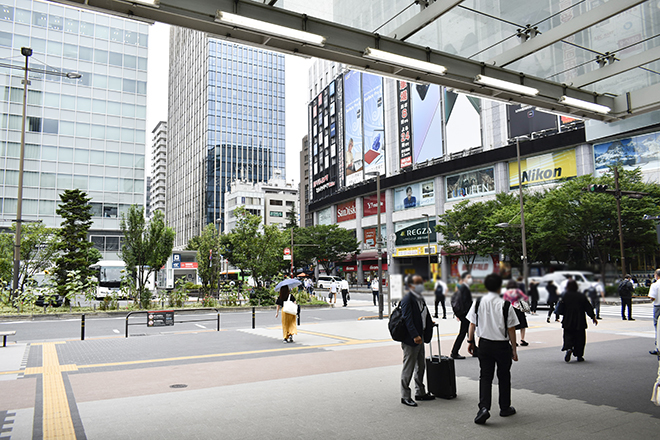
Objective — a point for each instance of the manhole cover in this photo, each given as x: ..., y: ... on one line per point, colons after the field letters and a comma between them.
x: 178, y: 385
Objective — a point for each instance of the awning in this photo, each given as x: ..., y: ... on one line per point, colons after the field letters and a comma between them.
x: 371, y: 255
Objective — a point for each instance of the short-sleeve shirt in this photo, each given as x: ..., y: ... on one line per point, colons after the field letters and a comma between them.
x: 333, y: 287
x: 654, y: 292
x: 491, y: 318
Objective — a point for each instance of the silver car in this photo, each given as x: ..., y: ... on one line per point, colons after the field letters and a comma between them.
x: 584, y: 280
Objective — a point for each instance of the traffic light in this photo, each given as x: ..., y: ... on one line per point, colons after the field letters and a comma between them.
x: 598, y: 188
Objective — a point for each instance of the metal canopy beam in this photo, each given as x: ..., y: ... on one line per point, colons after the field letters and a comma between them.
x: 423, y: 19
x: 638, y: 101
x: 617, y: 67
x: 347, y: 45
x: 577, y: 24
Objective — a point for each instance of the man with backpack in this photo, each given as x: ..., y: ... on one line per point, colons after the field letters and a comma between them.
x: 595, y: 292
x: 419, y: 326
x: 626, y: 290
x: 461, y: 301
x: 440, y: 290
x: 495, y: 327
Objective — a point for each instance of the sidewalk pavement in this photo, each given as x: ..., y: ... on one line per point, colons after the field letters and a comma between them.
x: 340, y: 379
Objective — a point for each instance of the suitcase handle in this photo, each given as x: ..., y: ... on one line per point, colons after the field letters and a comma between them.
x: 436, y: 325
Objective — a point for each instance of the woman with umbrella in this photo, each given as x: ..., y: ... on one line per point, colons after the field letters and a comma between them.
x: 288, y: 318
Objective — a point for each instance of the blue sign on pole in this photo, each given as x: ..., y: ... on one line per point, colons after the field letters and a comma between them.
x: 176, y: 265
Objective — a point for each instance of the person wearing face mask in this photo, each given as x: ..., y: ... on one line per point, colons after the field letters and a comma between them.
x: 461, y: 302
x: 419, y: 324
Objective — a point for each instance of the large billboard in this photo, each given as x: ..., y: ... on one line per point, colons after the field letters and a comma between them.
x: 370, y: 207
x: 636, y: 152
x: 325, y: 142
x: 353, y: 164
x: 414, y: 232
x: 426, y: 122
x: 471, y: 184
x: 405, y: 128
x: 462, y: 121
x: 525, y: 120
x: 374, y: 127
x: 546, y: 168
x: 414, y: 195
x: 346, y: 211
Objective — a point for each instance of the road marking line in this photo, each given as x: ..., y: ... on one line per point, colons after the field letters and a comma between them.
x: 115, y: 330
x: 200, y: 326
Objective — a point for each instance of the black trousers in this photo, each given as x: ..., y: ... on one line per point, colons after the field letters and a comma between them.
x: 375, y: 295
x: 465, y: 325
x: 575, y: 340
x: 535, y: 304
x: 440, y: 299
x: 491, y: 354
x: 344, y: 296
x: 595, y: 302
x: 626, y: 302
x: 551, y: 309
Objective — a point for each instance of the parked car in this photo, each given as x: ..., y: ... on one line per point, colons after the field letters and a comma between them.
x: 584, y: 280
x: 54, y: 301
x: 324, y: 281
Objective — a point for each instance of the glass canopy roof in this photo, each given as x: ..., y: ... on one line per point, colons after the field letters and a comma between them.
x: 484, y: 30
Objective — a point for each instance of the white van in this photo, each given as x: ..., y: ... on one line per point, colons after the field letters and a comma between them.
x: 324, y: 281
x: 584, y: 280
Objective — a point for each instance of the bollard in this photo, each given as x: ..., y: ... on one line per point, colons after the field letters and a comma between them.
x: 82, y: 327
x: 298, y: 315
x: 254, y: 318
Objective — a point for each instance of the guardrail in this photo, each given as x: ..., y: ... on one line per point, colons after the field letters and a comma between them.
x: 165, y: 321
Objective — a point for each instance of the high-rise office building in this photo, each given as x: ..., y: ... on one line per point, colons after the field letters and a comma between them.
x: 158, y: 167
x: 86, y: 133
x: 225, y: 123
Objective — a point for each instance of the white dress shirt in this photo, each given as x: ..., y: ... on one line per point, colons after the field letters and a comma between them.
x: 491, y: 318
x: 654, y: 292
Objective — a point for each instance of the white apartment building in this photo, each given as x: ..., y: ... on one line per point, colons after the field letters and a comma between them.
x: 158, y: 167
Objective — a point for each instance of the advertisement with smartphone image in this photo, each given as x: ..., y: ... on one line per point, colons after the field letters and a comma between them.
x: 353, y: 128
x: 426, y: 122
x: 374, y: 128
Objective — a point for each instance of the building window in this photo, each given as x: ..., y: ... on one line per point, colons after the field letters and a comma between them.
x: 289, y: 203
x: 276, y: 203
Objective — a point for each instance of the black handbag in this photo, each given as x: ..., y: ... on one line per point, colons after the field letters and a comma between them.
x: 559, y: 308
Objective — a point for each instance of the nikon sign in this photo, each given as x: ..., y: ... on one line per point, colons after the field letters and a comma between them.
x: 414, y: 232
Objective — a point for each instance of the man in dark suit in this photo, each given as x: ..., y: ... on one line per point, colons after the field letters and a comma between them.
x: 420, y: 330
x: 576, y: 305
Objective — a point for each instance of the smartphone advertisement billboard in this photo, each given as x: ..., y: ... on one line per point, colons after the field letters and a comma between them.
x: 374, y: 127
x: 353, y: 128
x: 426, y: 122
x: 462, y: 121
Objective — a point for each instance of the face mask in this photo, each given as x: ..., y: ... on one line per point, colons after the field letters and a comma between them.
x: 468, y: 281
x: 418, y: 288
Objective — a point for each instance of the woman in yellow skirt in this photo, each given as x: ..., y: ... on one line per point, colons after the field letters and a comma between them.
x: 288, y: 321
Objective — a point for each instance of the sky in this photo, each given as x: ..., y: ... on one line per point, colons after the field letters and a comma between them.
x: 296, y: 97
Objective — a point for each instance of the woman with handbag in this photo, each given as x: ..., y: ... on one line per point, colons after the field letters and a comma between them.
x: 287, y: 302
x: 519, y: 301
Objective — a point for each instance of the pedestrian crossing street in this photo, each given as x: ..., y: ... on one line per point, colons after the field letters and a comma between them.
x: 639, y: 311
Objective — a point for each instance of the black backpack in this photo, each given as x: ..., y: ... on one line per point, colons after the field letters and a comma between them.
x: 439, y: 290
x: 397, y: 327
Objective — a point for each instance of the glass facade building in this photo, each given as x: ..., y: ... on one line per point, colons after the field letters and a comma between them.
x: 86, y: 133
x: 226, y: 123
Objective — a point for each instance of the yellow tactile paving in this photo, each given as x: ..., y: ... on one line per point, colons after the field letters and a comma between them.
x: 57, y: 422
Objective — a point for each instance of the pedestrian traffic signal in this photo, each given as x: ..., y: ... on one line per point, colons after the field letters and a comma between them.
x: 598, y: 188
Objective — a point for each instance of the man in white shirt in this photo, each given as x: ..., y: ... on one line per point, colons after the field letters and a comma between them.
x: 654, y: 292
x: 333, y: 292
x: 494, y: 322
x: 374, y: 290
x: 344, y: 291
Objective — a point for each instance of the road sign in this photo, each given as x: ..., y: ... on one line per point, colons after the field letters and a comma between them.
x: 287, y: 257
x: 287, y: 251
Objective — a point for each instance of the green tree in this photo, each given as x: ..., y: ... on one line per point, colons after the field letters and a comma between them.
x: 37, y: 251
x: 146, y: 247
x: 332, y: 245
x: 74, y: 249
x: 291, y: 218
x: 208, y: 257
x: 463, y: 230
x: 252, y: 247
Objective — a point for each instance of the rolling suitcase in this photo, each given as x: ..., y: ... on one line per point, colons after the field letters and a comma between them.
x: 440, y: 373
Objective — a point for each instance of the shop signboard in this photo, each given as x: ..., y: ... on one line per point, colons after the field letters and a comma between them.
x: 370, y: 207
x: 414, y: 232
x: 346, y: 211
x: 546, y: 168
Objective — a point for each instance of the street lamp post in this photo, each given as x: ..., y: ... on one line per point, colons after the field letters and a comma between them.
x: 522, y: 214
x: 27, y: 53
x: 428, y: 242
x: 379, y: 246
